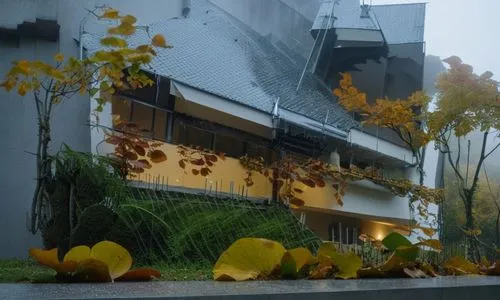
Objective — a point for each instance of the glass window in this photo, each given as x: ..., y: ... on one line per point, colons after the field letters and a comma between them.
x: 142, y: 115
x: 230, y: 146
x: 160, y: 126
x: 121, y: 107
x: 191, y: 136
x: 253, y: 150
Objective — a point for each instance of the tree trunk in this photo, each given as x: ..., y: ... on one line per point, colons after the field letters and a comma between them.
x: 471, y: 239
x: 43, y: 174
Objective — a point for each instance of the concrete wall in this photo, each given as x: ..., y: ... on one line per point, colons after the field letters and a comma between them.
x: 18, y: 124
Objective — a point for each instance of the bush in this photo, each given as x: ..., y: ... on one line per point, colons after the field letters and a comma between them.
x: 181, y: 228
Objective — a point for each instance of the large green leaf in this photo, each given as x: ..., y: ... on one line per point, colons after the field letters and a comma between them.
x: 408, y: 253
x: 395, y: 240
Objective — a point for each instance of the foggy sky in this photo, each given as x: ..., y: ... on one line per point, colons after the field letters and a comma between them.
x: 468, y: 29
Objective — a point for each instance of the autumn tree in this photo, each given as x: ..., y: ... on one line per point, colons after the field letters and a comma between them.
x: 50, y: 83
x: 405, y: 117
x: 466, y: 102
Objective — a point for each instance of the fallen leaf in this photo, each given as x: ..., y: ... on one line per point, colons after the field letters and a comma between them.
x: 92, y: 270
x: 116, y: 257
x: 460, y: 266
x: 140, y: 274
x: 248, y: 258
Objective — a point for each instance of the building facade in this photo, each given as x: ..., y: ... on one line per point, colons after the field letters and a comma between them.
x: 236, y: 85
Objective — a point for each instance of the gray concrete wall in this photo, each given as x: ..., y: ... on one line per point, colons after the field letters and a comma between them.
x: 18, y: 124
x: 444, y: 288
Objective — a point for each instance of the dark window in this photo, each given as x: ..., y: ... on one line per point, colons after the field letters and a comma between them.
x: 192, y: 136
x: 253, y: 150
x: 142, y: 115
x: 230, y: 146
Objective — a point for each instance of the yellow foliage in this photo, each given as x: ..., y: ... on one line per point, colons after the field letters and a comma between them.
x: 116, y: 257
x: 346, y: 264
x: 81, y: 260
x: 399, y: 115
x: 431, y: 243
x: 110, y: 13
x: 113, y: 41
x: 59, y: 57
x: 77, y: 254
x: 295, y: 260
x: 249, y: 258
x: 129, y: 20
x: 460, y: 266
x: 159, y: 41
x: 122, y: 29
x: 23, y: 88
x: 92, y: 270
x: 50, y: 259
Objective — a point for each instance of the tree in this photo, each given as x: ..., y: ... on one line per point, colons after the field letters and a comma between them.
x: 50, y: 83
x: 405, y: 117
x: 466, y: 102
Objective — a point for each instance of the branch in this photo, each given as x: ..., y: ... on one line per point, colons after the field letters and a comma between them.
x: 492, y: 150
x: 480, y: 163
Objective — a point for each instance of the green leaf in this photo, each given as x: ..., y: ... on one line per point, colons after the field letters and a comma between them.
x: 288, y: 267
x: 408, y: 253
x: 395, y: 240
x: 93, y: 91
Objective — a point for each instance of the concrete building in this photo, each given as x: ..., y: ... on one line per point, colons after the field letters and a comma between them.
x: 243, y: 78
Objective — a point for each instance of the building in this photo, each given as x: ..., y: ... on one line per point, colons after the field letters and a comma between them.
x: 241, y: 82
x: 227, y: 87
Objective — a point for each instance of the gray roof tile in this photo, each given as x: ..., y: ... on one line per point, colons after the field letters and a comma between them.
x: 216, y: 53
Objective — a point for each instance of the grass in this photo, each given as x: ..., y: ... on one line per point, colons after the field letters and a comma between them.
x: 23, y: 271
x: 17, y: 270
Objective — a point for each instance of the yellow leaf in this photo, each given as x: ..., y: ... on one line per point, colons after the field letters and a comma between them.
x: 460, y: 266
x: 92, y: 270
x: 122, y: 29
x: 23, y: 67
x: 9, y: 84
x: 77, y: 254
x: 110, y: 13
x: 294, y: 261
x: 394, y: 264
x: 59, y: 57
x: 56, y: 74
x: 129, y: 20
x: 432, y: 243
x: 113, y: 41
x: 23, y: 88
x: 347, y: 264
x: 50, y: 259
x: 159, y: 41
x: 248, y: 258
x: 116, y: 257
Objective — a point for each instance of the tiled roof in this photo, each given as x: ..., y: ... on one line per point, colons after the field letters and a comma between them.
x: 216, y: 53
x: 401, y: 23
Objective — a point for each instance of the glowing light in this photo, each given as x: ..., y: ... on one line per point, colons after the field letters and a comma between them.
x: 379, y: 236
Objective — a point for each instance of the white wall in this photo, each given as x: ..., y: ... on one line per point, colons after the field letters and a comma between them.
x: 18, y: 124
